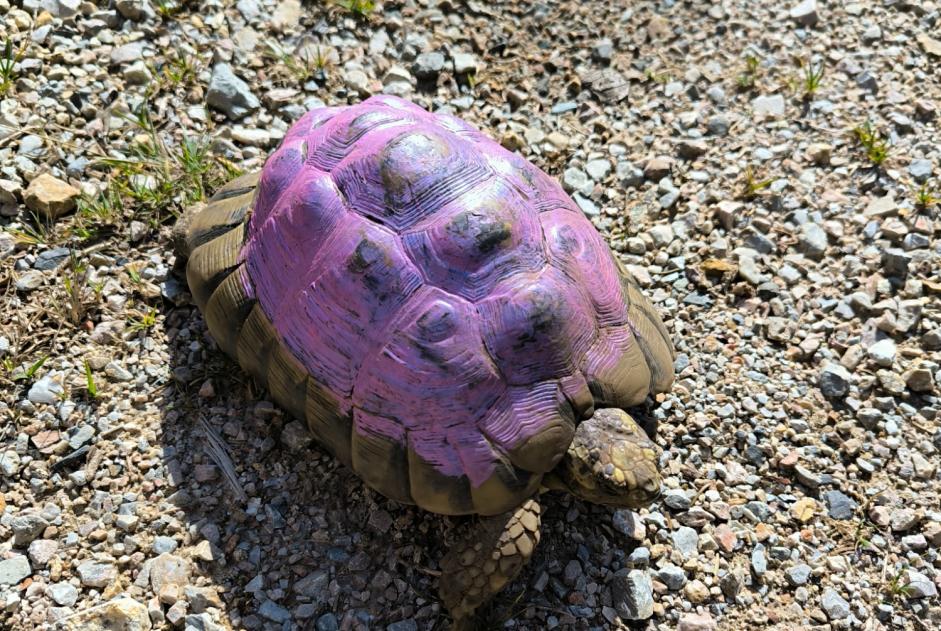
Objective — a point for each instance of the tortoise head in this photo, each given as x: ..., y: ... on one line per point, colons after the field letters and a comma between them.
x: 610, y: 461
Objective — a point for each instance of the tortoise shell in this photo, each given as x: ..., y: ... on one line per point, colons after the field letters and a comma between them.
x: 435, y: 307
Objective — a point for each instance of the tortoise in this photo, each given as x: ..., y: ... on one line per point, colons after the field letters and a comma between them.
x: 444, y: 318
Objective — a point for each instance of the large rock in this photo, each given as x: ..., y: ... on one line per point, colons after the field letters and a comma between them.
x: 834, y: 380
x: 14, y: 570
x: 96, y: 574
x: 805, y: 13
x: 121, y: 614
x: 26, y: 527
x: 50, y: 197
x: 632, y: 594
x: 229, y: 94
x: 169, y: 569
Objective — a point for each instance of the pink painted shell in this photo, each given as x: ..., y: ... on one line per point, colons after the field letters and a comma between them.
x: 435, y: 307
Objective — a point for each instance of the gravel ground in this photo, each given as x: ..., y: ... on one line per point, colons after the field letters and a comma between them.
x: 769, y: 171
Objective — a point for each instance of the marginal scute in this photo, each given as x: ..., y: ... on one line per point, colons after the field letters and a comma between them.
x: 227, y: 309
x: 227, y: 210
x: 210, y: 263
x: 287, y: 380
x: 435, y: 491
x: 330, y: 421
x: 381, y: 459
x: 256, y: 341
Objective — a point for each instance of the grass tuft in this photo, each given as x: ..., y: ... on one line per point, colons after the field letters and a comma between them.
x: 360, y: 8
x: 751, y: 186
x: 154, y: 180
x: 8, y: 61
x: 90, y: 385
x: 304, y: 63
x: 926, y: 197
x: 748, y: 78
x: 872, y: 142
x: 813, y: 76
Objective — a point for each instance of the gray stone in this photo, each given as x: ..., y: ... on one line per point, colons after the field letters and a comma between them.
x: 201, y: 622
x: 94, y: 574
x: 30, y: 146
x: 30, y: 280
x: 9, y: 463
x: 672, y: 576
x: 805, y: 13
x: 464, y: 63
x: 47, y: 390
x: 798, y: 575
x: 357, y: 80
x: 686, y: 541
x: 661, y: 234
x: 328, y: 622
x: 882, y: 352
x: 127, y: 53
x: 26, y: 527
x: 586, y: 205
x: 14, y: 570
x: 895, y: 262
x: 917, y: 585
x: 834, y: 380
x: 718, y: 125
x: 598, y: 169
x: 813, y: 241
x: 41, y: 551
x: 274, y: 612
x: 769, y: 105
x: 229, y: 94
x: 867, y: 81
x: 51, y: 259
x: 295, y: 436
x: 920, y: 169
x: 163, y: 544
x: 632, y: 594
x: 313, y: 586
x: 835, y: 605
x: 575, y: 180
x: 839, y: 505
x: 428, y: 65
x: 63, y: 593
x: 603, y: 50
x: 81, y: 435
x: 759, y: 561
x: 717, y: 95
x: 168, y: 569
x: 676, y: 499
x: 135, y: 10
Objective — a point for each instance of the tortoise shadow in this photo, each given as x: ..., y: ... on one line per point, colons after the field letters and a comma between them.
x: 294, y: 536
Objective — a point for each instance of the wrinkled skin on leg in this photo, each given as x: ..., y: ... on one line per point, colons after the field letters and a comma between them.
x: 490, y: 556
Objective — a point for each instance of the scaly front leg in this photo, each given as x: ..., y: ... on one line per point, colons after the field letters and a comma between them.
x: 489, y: 556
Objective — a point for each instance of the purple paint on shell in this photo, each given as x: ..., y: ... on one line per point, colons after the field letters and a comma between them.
x: 441, y: 287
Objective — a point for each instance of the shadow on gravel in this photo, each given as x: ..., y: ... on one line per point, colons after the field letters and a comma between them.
x: 294, y: 540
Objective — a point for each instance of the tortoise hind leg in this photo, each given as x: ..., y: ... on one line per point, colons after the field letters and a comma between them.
x: 490, y: 555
